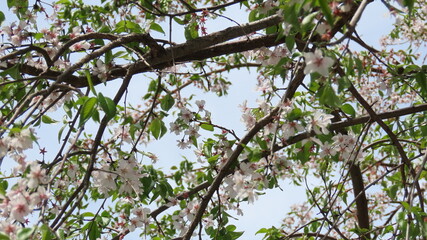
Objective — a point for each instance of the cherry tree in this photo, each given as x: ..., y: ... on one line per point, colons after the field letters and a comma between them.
x: 329, y: 106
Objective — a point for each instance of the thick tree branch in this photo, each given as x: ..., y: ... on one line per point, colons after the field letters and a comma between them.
x: 202, y: 47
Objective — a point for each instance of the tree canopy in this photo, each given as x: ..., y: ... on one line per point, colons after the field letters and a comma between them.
x: 329, y: 106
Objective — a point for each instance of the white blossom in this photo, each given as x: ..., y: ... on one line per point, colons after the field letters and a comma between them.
x: 315, y: 62
x: 319, y: 123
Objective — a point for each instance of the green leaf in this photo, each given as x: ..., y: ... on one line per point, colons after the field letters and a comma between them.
x: 88, y: 214
x: 207, y: 126
x: 108, y: 57
x: 13, y: 72
x: 48, y: 120
x: 406, y: 206
x: 21, y: 6
x: 421, y: 79
x: 303, y: 155
x: 2, y: 17
x: 4, y: 237
x: 253, y: 15
x: 157, y: 128
x: 38, y: 36
x: 167, y: 102
x: 152, y: 86
x: 61, y: 234
x: 25, y: 233
x: 271, y: 30
x: 290, y: 42
x: 46, y: 233
x: 409, y: 4
x: 262, y: 230
x: 88, y: 108
x: 328, y: 97
x: 127, y: 26
x: 309, y: 19
x: 179, y: 21
x: 90, y: 82
x: 10, y: 3
x: 290, y: 15
x: 191, y: 32
x: 343, y: 83
x: 93, y: 231
x: 108, y: 106
x: 3, y: 187
x: 156, y: 27
x: 231, y: 228
x: 326, y: 10
x: 347, y: 108
x: 393, y: 191
x: 60, y: 133
x: 236, y: 235
x: 262, y: 143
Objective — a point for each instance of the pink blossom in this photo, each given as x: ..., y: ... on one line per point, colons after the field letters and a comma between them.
x: 172, y: 201
x: 9, y: 228
x: 183, y: 144
x: 323, y: 28
x: 315, y: 62
x: 193, y: 131
x: 290, y: 128
x: 174, y: 128
x: 16, y: 40
x: 122, y: 133
x: 319, y: 123
x: 20, y: 209
x: 186, y: 115
x: 201, y: 105
x: 249, y: 119
x: 3, y: 148
x: 101, y: 70
x: 75, y: 32
x: 80, y: 46
x: 37, y: 175
x: 22, y: 140
x: 327, y: 150
x: 103, y: 180
x: 39, y: 196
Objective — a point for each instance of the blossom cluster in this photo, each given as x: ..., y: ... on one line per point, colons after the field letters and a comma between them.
x: 53, y: 101
x: 27, y: 195
x: 17, y: 141
x: 128, y: 173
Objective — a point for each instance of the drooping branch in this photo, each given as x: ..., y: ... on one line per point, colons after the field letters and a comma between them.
x: 202, y: 47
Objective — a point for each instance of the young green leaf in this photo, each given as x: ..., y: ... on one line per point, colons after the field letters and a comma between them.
x: 90, y: 82
x: 167, y: 102
x: 156, y: 128
x: 2, y: 17
x: 207, y: 126
x: 4, y: 237
x: 48, y: 120
x: 156, y: 27
x: 421, y: 79
x: 108, y: 106
x: 328, y: 97
x: 326, y: 10
x: 88, y: 108
x: 25, y: 233
x: 347, y: 108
